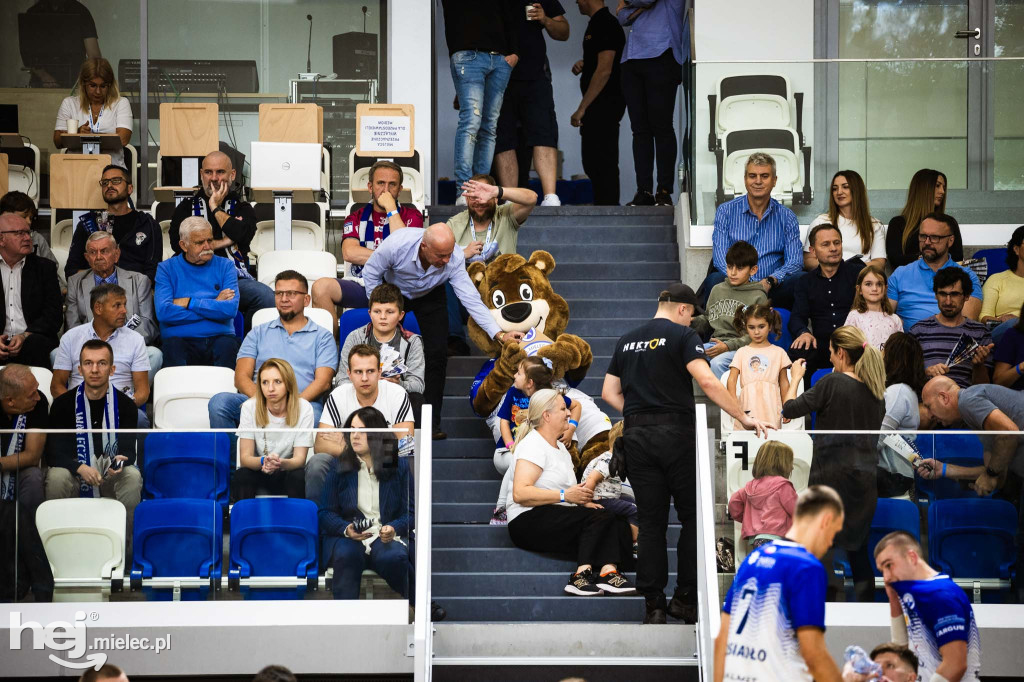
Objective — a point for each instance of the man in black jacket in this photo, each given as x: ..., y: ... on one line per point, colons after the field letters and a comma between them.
x: 32, y: 306
x: 137, y: 234
x: 234, y: 226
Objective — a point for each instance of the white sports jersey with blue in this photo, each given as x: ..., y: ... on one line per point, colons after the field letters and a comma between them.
x: 778, y: 589
x: 938, y: 612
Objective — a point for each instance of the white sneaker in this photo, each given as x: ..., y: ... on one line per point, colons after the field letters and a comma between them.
x: 461, y: 201
x: 551, y: 200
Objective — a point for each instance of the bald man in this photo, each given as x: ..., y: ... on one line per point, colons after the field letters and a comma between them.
x: 419, y: 263
x: 993, y: 409
x: 22, y: 407
x: 234, y: 226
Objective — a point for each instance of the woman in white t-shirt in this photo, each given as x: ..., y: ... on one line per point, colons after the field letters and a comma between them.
x: 273, y: 462
x: 848, y: 209
x: 548, y: 511
x: 97, y: 106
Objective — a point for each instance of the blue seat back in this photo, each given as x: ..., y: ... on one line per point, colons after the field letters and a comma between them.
x: 178, y: 538
x: 960, y: 445
x: 785, y: 339
x: 892, y: 515
x: 946, y: 488
x: 972, y: 538
x: 360, y: 317
x: 996, y: 259
x: 187, y: 465
x: 274, y: 536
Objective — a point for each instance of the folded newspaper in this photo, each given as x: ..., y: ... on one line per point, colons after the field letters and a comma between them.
x: 391, y: 364
x: 963, y: 351
x: 905, y: 448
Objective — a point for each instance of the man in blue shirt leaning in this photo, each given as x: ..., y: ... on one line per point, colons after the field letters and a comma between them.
x: 768, y: 226
x: 419, y: 262
x: 196, y: 298
x: 773, y: 619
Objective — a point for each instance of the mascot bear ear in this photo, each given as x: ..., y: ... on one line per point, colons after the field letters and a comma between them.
x: 476, y: 272
x: 543, y: 261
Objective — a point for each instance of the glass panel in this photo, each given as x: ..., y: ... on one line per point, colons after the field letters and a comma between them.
x: 1008, y: 95
x: 911, y: 115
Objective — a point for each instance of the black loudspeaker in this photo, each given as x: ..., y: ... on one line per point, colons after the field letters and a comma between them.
x: 355, y: 55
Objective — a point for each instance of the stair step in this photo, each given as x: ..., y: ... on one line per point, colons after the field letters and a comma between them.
x: 601, y: 287
x: 545, y: 608
x: 459, y: 386
x: 659, y: 273
x: 462, y: 512
x: 464, y: 448
x: 596, y: 326
x: 445, y: 585
x: 459, y: 407
x: 466, y: 491
x: 473, y: 428
x: 480, y: 536
x: 489, y: 559
x: 591, y: 252
x: 465, y: 469
x: 541, y: 237
x: 469, y: 365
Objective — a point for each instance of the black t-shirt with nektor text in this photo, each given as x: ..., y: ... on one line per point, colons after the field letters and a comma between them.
x: 650, y: 362
x: 603, y: 34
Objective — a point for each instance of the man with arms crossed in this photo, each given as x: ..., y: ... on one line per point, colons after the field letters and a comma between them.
x: 773, y: 620
x: 930, y: 613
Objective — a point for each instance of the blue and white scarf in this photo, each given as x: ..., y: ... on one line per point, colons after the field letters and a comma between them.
x: 85, y: 449
x: 199, y: 209
x: 9, y: 479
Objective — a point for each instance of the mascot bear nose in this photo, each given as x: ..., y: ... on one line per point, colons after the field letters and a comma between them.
x: 516, y: 312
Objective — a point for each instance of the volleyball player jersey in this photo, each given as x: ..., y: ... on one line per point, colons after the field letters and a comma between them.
x: 938, y: 612
x: 779, y: 588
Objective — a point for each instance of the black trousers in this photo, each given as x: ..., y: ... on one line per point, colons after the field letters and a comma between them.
x: 431, y: 311
x: 600, y: 151
x: 247, y: 483
x: 661, y: 466
x: 597, y: 534
x: 649, y: 86
x: 35, y: 351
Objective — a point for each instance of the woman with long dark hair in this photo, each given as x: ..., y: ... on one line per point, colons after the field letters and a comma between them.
x: 848, y: 209
x: 926, y: 194
x: 366, y: 512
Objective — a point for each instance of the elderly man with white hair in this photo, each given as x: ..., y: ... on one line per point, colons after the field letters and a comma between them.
x: 197, y: 300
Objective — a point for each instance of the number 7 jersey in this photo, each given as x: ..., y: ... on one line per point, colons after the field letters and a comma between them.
x: 779, y: 588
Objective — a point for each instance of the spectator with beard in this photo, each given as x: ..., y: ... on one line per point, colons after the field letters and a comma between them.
x: 137, y: 234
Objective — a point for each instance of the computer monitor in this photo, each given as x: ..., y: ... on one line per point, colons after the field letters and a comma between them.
x: 286, y: 165
x: 9, y: 118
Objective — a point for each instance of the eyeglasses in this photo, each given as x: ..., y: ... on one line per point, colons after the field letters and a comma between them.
x: 17, y: 233
x: 289, y: 294
x: 116, y: 182
x: 949, y: 294
x: 931, y: 238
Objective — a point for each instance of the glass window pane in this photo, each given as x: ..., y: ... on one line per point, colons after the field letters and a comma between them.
x: 1008, y: 95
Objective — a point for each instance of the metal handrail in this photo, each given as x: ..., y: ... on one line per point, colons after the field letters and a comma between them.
x: 422, y: 643
x: 708, y: 601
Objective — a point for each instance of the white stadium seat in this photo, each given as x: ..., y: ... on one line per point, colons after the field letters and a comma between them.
x: 165, y: 232
x: 44, y: 377
x: 83, y: 538
x: 306, y: 236
x: 25, y: 178
x: 318, y: 315
x: 312, y: 264
x: 727, y: 425
x: 61, y: 233
x: 181, y: 395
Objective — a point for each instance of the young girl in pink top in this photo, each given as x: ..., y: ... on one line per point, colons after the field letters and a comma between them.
x: 759, y: 367
x: 765, y: 505
x: 872, y: 312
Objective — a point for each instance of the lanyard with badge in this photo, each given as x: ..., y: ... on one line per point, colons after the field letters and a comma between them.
x: 490, y: 249
x: 96, y: 122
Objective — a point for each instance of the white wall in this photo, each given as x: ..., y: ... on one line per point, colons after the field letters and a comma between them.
x: 409, y: 75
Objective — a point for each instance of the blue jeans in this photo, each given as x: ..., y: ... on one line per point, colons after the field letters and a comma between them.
x: 457, y: 315
x: 220, y: 351
x: 998, y: 332
x: 720, y: 363
x: 390, y: 561
x: 253, y: 296
x: 226, y: 411
x: 480, y: 79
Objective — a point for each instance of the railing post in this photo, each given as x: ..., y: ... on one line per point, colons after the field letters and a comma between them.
x: 708, y: 603
x: 423, y: 633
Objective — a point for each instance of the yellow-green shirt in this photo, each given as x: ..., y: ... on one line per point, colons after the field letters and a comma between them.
x: 505, y: 232
x: 1003, y: 293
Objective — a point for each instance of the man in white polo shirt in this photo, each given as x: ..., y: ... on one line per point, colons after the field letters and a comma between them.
x: 131, y: 361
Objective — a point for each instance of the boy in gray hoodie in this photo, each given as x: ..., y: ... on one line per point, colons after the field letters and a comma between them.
x: 735, y: 292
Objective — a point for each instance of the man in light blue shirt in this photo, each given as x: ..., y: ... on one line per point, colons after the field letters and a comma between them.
x: 419, y: 262
x: 910, y: 286
x: 309, y: 348
x: 768, y: 226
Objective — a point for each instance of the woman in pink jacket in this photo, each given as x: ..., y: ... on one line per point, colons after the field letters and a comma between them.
x: 765, y: 505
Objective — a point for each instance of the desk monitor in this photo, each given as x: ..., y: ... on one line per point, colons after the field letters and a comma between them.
x: 286, y: 165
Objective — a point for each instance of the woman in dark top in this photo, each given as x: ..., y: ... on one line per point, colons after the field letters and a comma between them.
x: 850, y: 398
x: 1009, y: 357
x: 927, y: 194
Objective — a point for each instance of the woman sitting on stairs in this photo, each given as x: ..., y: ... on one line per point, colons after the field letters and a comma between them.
x: 548, y: 511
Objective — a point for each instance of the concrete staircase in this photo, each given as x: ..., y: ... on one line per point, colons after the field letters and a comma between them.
x: 611, y: 263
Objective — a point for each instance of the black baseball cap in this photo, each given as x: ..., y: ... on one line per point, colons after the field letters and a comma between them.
x: 680, y: 293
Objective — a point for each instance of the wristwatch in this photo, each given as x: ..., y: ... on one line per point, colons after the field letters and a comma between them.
x: 990, y: 472
x: 215, y: 210
x: 772, y: 281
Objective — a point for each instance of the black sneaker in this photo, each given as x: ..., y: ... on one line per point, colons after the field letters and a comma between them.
x: 663, y: 198
x: 642, y: 198
x: 682, y: 610
x: 615, y: 583
x: 582, y: 584
x: 439, y: 434
x: 655, y: 616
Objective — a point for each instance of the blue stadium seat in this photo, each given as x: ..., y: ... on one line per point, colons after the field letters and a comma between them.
x: 240, y: 326
x: 177, y: 539
x: 360, y: 317
x: 785, y: 339
x: 972, y: 538
x: 187, y: 465
x: 274, y: 536
x: 965, y: 446
x: 892, y: 515
x: 996, y: 259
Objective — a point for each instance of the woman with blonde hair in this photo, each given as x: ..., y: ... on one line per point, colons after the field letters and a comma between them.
x: 273, y: 462
x: 848, y: 209
x: 766, y: 504
x: 548, y: 511
x: 851, y: 398
x: 926, y: 194
x: 97, y: 106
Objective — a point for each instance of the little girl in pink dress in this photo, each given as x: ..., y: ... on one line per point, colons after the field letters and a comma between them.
x: 872, y: 312
x: 760, y: 366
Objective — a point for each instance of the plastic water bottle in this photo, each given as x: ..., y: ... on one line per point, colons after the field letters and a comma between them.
x: 861, y: 664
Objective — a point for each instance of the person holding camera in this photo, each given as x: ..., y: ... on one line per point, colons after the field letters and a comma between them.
x: 366, y: 509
